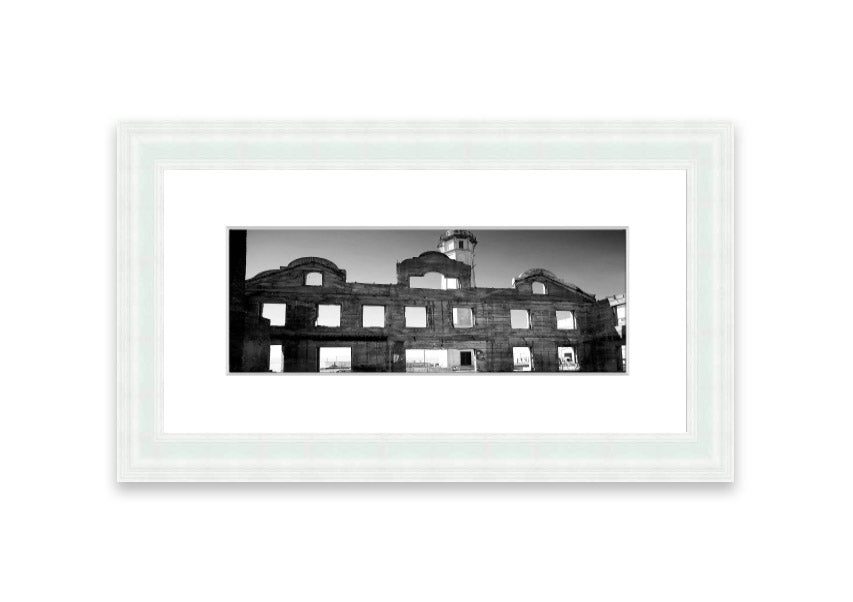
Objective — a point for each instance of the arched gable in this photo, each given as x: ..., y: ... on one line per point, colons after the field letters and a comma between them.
x: 523, y: 283
x: 433, y: 261
x: 296, y: 272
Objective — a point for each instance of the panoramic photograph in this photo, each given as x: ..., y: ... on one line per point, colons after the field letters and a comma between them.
x: 427, y: 301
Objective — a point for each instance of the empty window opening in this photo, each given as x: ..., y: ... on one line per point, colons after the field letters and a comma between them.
x: 314, y: 279
x: 450, y: 284
x: 276, y: 358
x: 461, y: 244
x: 565, y: 320
x: 624, y: 360
x: 335, y: 359
x: 427, y: 360
x: 416, y: 317
x: 276, y: 313
x: 463, y: 317
x: 373, y: 316
x: 568, y: 359
x: 521, y: 359
x: 440, y: 360
x: 328, y: 315
x: 539, y: 288
x: 462, y: 360
x: 429, y: 280
x: 519, y: 318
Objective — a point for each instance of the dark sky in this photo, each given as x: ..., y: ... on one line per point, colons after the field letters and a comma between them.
x: 594, y: 260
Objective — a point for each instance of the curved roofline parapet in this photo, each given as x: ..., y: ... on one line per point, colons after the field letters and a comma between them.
x: 433, y: 261
x: 314, y: 264
x: 533, y: 272
x: 428, y: 253
x: 543, y: 275
x: 312, y: 260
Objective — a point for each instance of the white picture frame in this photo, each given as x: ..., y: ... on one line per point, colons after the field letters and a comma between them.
x: 146, y: 452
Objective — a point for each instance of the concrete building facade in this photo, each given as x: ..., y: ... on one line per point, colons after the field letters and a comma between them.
x: 306, y: 317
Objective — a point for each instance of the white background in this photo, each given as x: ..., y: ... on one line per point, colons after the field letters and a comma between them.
x: 780, y: 71
x: 200, y: 397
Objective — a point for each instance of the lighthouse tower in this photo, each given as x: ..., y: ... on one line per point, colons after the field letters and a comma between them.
x: 459, y: 245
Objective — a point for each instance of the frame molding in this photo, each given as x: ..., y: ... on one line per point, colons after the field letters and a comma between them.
x: 146, y: 453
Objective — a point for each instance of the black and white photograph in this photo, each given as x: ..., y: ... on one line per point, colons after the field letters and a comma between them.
x: 389, y: 301
x: 428, y: 300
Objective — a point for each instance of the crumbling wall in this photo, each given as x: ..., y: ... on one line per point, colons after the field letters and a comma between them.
x: 492, y: 337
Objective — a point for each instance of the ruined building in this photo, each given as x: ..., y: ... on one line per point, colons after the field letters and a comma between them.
x: 306, y: 317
